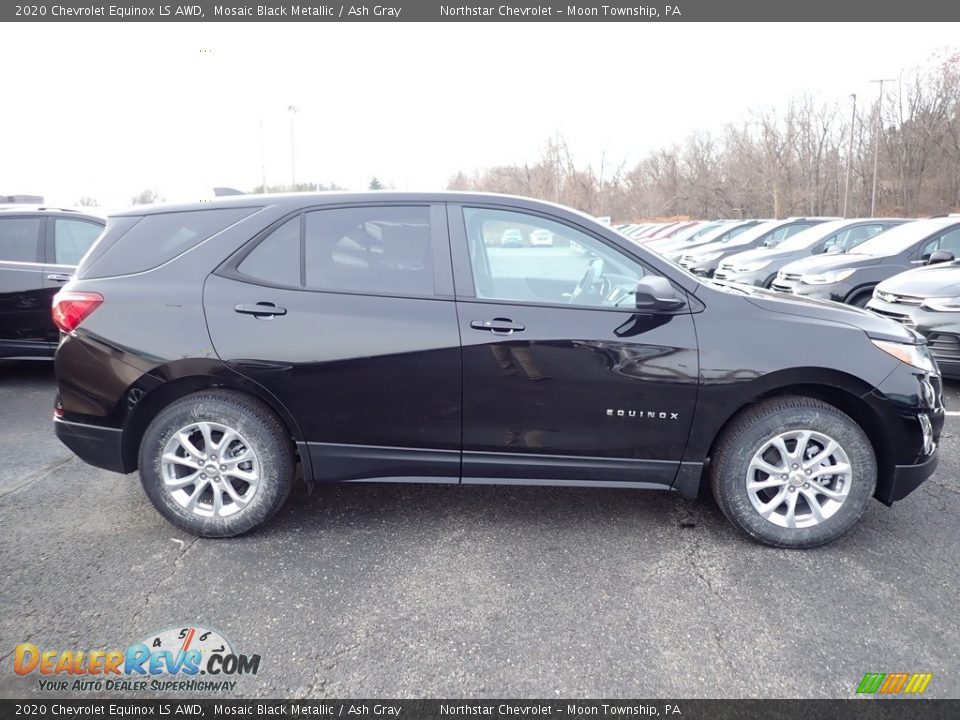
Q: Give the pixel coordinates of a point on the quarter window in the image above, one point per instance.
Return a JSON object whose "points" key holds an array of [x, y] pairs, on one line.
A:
{"points": [[376, 250], [72, 239], [18, 239]]}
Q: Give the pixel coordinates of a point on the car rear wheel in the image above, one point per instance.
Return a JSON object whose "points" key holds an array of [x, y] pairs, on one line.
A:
{"points": [[216, 463], [793, 472]]}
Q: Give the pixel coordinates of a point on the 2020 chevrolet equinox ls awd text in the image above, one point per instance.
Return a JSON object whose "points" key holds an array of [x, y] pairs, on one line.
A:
{"points": [[395, 337]]}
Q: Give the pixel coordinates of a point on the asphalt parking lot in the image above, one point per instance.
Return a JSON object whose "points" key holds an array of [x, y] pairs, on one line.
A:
{"points": [[409, 591]]}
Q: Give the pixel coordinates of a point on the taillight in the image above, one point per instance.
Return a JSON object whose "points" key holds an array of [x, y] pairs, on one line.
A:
{"points": [[71, 307]]}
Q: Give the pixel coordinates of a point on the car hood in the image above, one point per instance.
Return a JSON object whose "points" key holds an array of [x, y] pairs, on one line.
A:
{"points": [[759, 254], [874, 326], [931, 281], [716, 247], [824, 263]]}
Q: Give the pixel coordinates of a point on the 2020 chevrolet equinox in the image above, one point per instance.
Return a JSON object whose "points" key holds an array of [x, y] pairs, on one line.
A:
{"points": [[396, 337]]}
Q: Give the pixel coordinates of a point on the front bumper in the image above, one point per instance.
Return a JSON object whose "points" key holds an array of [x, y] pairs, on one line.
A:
{"points": [[700, 269], [906, 479], [94, 444], [941, 329], [906, 430]]}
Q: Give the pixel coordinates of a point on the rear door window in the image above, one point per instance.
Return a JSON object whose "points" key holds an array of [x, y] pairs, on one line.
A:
{"points": [[19, 239], [276, 260], [371, 250], [72, 238]]}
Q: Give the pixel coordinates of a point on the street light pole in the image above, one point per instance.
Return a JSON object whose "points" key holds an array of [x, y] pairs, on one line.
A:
{"points": [[293, 155], [876, 145], [853, 122]]}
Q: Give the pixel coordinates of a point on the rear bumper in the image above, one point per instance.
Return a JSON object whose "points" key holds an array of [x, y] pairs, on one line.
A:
{"points": [[907, 478], [94, 444]]}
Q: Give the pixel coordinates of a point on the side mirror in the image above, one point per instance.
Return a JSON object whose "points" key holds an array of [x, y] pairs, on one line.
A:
{"points": [[940, 256], [835, 249], [656, 293]]}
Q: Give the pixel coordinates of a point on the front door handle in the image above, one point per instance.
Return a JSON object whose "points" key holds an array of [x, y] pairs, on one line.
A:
{"points": [[500, 326], [58, 277], [264, 310]]}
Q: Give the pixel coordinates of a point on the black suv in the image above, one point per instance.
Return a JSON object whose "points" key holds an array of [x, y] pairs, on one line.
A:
{"points": [[39, 249], [384, 337]]}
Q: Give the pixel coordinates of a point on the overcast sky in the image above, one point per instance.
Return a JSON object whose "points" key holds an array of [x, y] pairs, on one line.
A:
{"points": [[107, 110]]}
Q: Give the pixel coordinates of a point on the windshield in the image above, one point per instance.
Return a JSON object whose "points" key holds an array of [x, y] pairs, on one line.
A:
{"points": [[900, 238], [751, 234], [689, 233], [813, 235]]}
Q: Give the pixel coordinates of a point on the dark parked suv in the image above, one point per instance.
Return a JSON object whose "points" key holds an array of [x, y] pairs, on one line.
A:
{"points": [[39, 249], [850, 277], [705, 259], [376, 337]]}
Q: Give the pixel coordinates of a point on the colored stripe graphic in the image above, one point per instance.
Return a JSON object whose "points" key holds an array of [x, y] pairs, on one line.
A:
{"points": [[871, 682], [893, 683], [918, 683]]}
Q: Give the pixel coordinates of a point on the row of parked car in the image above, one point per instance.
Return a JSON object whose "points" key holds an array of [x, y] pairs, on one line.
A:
{"points": [[905, 270]]}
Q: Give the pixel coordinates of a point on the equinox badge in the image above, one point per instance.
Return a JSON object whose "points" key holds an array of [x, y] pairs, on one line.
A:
{"points": [[649, 414]]}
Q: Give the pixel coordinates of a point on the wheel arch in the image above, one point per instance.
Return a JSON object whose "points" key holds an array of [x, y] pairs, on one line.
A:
{"points": [[149, 396], [838, 389], [858, 291]]}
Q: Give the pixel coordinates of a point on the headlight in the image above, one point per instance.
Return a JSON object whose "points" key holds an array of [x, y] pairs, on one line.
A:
{"points": [[917, 356], [827, 277], [942, 304], [753, 266]]}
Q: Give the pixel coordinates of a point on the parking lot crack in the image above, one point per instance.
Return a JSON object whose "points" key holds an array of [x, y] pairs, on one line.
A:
{"points": [[186, 546], [33, 477], [695, 559]]}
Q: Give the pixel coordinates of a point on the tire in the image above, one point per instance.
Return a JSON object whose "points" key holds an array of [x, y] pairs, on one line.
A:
{"points": [[789, 418], [861, 300], [259, 467]]}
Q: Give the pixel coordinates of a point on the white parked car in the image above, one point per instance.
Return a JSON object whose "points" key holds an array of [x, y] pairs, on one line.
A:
{"points": [[541, 238]]}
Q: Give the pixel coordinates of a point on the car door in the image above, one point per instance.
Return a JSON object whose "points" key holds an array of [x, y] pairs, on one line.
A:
{"points": [[564, 381], [67, 240], [24, 306], [346, 316]]}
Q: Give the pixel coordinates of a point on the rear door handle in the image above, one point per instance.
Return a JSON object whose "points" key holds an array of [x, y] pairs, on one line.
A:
{"points": [[58, 277], [500, 326], [261, 310]]}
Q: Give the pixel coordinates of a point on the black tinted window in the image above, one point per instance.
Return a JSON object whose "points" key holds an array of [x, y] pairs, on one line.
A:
{"points": [[18, 239], [160, 237], [277, 258], [72, 238], [379, 250]]}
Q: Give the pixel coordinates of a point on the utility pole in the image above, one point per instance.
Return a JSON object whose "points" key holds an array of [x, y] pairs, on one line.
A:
{"points": [[263, 160], [853, 123], [876, 145], [293, 154], [557, 164]]}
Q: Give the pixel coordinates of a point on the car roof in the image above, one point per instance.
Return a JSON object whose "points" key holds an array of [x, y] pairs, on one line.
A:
{"points": [[24, 208], [302, 200]]}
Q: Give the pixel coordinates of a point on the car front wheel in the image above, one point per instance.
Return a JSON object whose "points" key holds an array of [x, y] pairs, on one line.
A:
{"points": [[793, 472], [216, 463]]}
